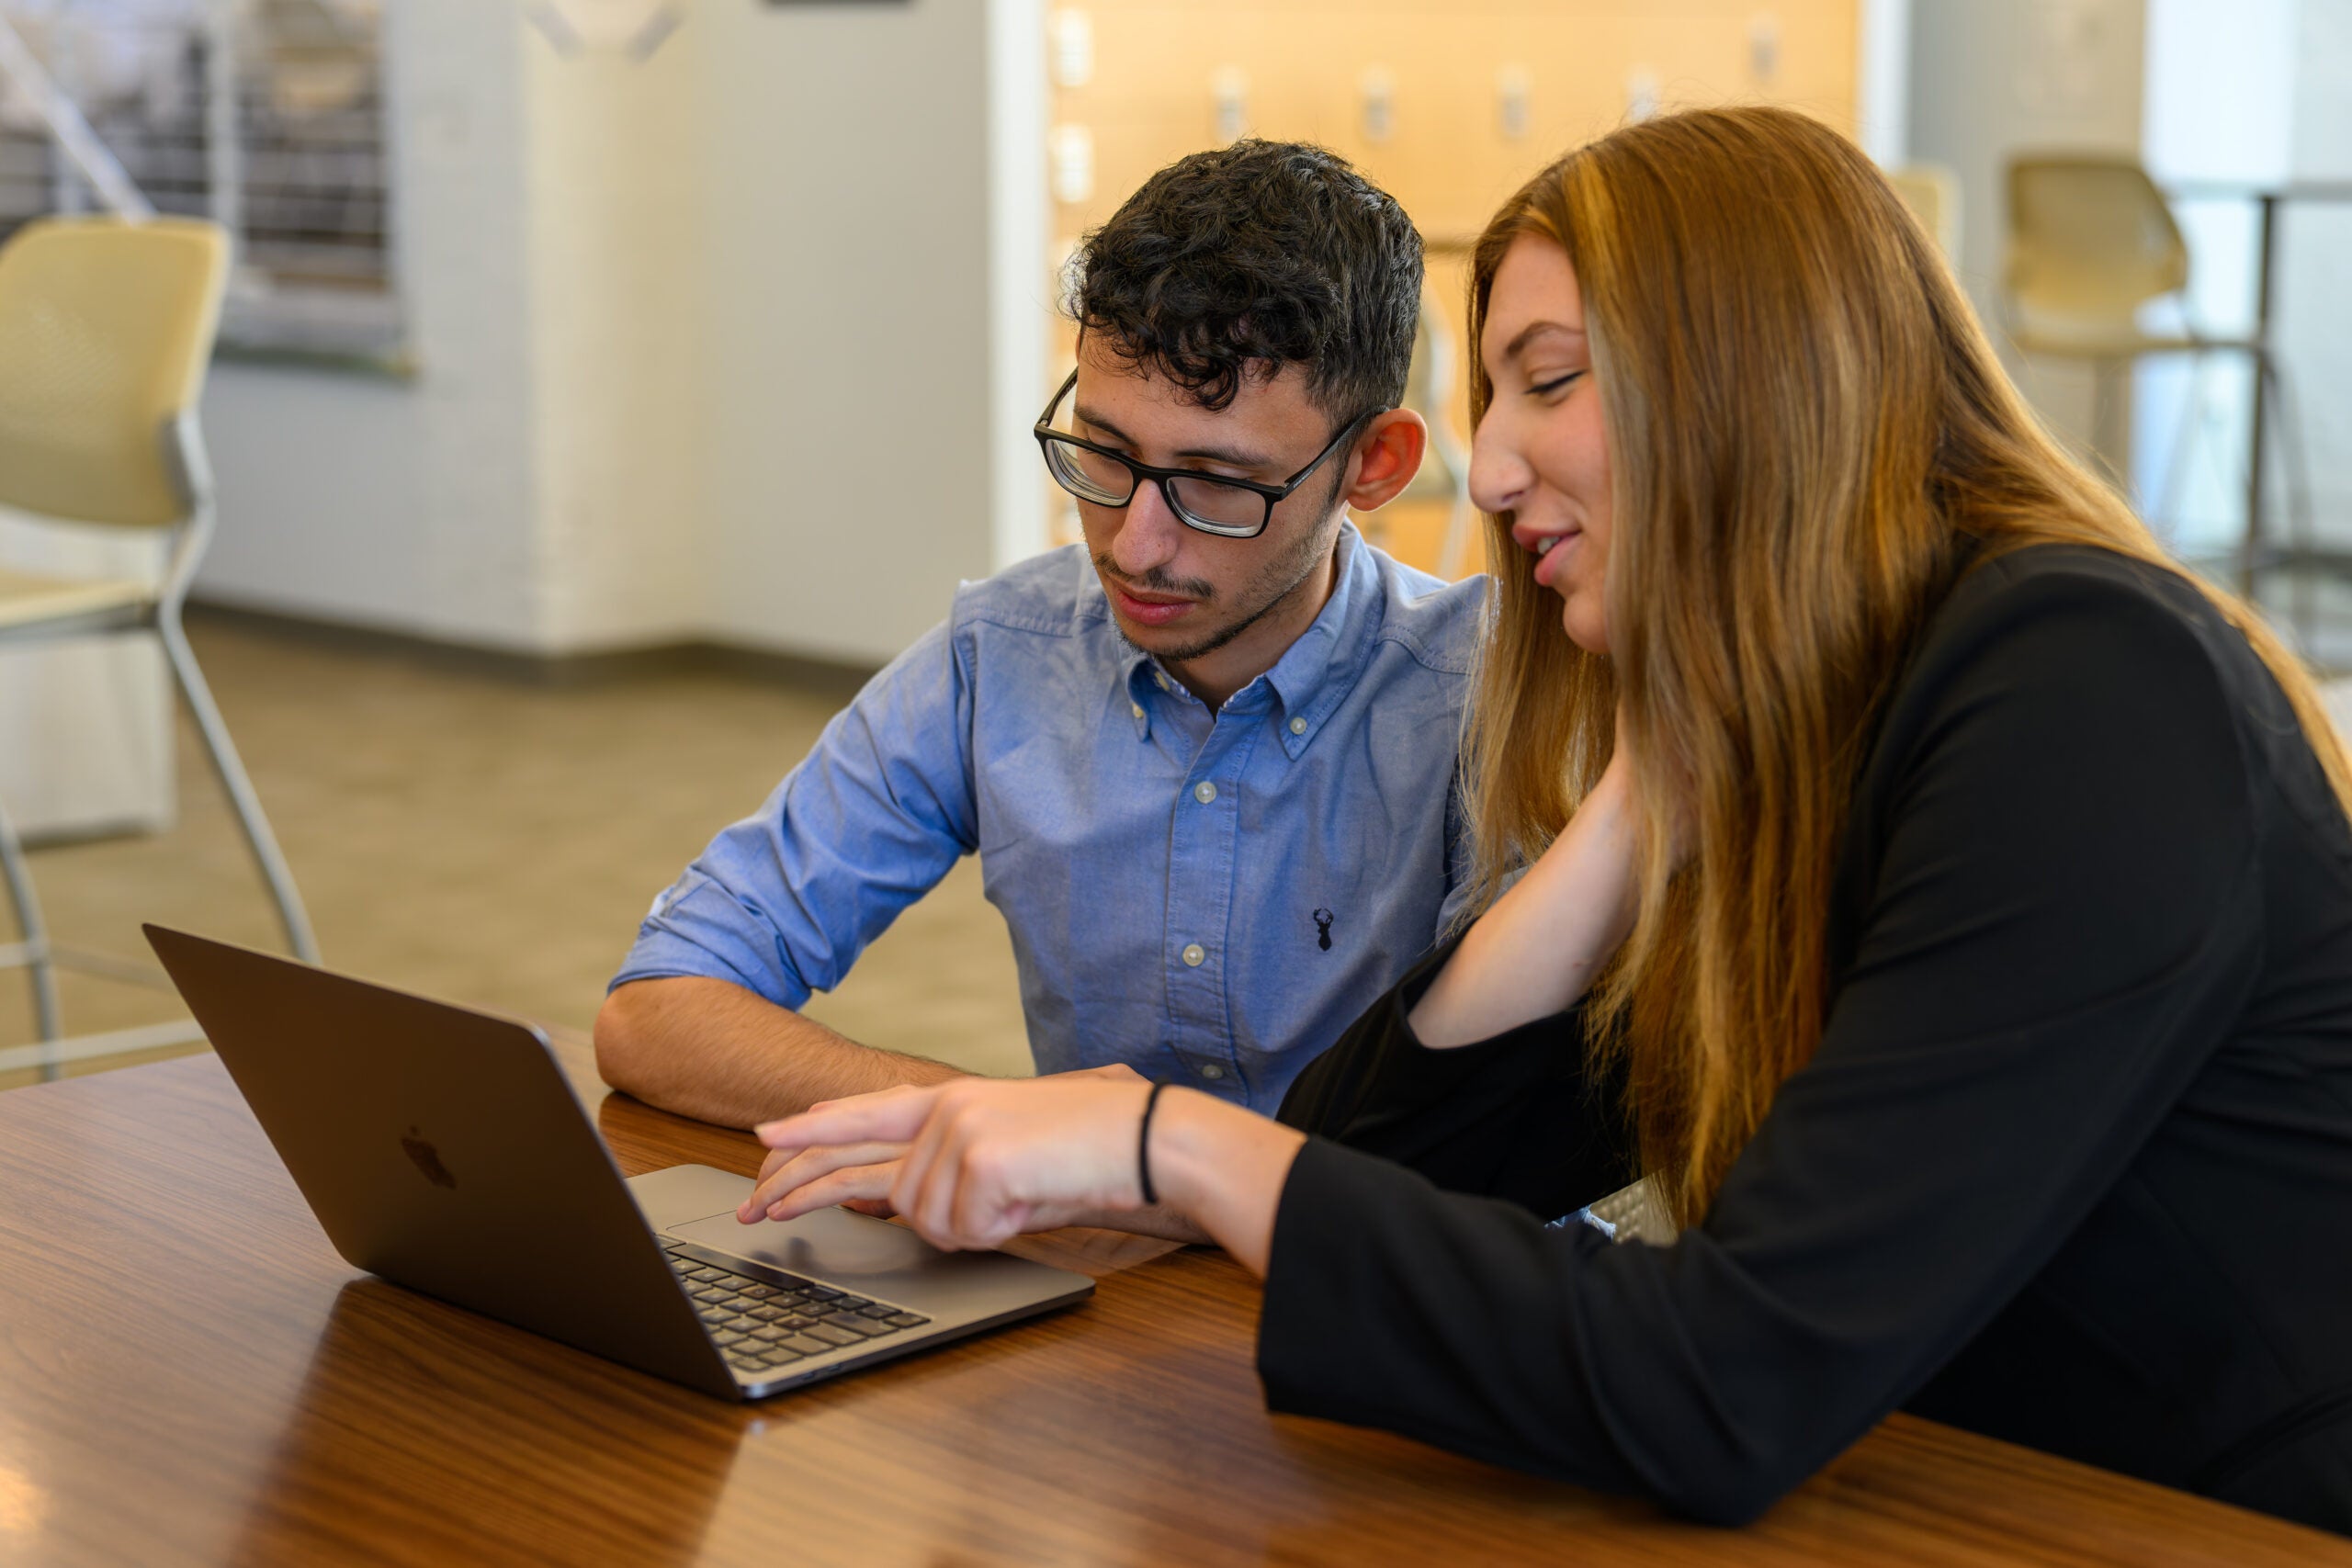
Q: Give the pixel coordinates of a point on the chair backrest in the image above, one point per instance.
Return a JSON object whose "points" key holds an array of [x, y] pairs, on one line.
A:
{"points": [[106, 329], [1932, 193], [2090, 241]]}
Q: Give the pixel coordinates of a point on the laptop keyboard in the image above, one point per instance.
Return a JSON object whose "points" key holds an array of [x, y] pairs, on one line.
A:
{"points": [[765, 1321]]}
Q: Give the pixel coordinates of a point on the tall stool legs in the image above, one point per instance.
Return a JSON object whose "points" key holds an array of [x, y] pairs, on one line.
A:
{"points": [[32, 950], [240, 789]]}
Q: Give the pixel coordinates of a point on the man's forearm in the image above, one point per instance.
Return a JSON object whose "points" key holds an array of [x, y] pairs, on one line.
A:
{"points": [[712, 1050]]}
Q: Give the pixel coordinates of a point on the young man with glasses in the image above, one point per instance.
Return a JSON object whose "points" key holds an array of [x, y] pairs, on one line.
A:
{"points": [[1206, 758]]}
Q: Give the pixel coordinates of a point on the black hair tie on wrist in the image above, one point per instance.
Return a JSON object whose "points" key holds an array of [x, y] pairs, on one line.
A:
{"points": [[1143, 1147]]}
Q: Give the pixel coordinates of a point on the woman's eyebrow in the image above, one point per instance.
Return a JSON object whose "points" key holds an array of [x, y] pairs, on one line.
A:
{"points": [[1535, 330]]}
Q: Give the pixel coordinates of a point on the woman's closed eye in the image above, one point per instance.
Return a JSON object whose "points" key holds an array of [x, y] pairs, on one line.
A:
{"points": [[1545, 388]]}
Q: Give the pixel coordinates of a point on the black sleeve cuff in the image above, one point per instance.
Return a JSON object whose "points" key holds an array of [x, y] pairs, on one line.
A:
{"points": [[1377, 1287]]}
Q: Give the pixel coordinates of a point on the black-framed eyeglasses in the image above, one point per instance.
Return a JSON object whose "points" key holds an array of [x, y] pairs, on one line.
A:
{"points": [[1232, 509]]}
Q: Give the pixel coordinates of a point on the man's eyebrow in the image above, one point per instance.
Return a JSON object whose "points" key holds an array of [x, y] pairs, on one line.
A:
{"points": [[1231, 456], [1535, 330]]}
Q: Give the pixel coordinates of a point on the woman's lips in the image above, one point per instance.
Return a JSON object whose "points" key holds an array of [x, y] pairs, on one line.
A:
{"points": [[1153, 612], [1547, 564]]}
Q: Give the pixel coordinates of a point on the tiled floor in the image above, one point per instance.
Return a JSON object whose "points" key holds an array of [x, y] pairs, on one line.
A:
{"points": [[495, 842]]}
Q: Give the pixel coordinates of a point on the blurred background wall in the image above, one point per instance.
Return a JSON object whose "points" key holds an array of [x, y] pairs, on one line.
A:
{"points": [[690, 341]]}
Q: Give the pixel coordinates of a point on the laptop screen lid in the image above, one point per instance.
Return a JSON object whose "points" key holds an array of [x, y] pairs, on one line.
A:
{"points": [[444, 1149]]}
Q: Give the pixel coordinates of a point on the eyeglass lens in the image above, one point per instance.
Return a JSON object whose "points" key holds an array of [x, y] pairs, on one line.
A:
{"points": [[1091, 476]]}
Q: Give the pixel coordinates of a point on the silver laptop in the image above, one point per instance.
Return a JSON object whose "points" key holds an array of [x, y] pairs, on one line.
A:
{"points": [[443, 1149]]}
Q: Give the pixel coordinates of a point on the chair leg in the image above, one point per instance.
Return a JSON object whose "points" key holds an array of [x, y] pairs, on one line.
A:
{"points": [[36, 938], [2160, 515], [2106, 442], [2302, 534], [233, 780]]}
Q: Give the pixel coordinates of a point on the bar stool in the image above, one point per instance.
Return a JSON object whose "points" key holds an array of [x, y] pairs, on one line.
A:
{"points": [[2091, 240], [106, 329]]}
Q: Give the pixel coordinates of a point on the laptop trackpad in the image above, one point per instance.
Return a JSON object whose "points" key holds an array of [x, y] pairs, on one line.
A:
{"points": [[684, 1193], [848, 1251], [864, 1256]]}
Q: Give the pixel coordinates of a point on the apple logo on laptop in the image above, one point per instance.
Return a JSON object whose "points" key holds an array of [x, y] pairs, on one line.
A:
{"points": [[428, 1160]]}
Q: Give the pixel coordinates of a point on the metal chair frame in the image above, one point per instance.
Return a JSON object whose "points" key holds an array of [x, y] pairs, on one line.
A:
{"points": [[2109, 360], [161, 615]]}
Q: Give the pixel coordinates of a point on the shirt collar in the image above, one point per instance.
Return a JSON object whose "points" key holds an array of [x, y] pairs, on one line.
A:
{"points": [[1315, 674], [1312, 677]]}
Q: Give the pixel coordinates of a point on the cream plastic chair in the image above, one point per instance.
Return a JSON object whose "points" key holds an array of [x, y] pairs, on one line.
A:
{"points": [[105, 328], [2091, 241]]}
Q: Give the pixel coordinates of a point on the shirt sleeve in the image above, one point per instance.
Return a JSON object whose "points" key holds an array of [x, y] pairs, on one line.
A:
{"points": [[2063, 923], [784, 901]]}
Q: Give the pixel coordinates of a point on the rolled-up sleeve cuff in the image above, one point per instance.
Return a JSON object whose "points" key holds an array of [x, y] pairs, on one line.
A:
{"points": [[682, 942]]}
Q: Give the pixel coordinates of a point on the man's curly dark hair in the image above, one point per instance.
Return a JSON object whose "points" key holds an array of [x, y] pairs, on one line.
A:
{"points": [[1253, 257]]}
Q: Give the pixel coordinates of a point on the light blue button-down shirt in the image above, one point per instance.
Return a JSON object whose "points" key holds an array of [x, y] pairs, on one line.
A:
{"points": [[1209, 897]]}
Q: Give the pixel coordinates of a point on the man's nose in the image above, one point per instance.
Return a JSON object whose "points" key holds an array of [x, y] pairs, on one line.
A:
{"points": [[1150, 534]]}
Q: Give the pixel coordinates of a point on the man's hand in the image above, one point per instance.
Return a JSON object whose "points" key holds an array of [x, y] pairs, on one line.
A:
{"points": [[859, 1175]]}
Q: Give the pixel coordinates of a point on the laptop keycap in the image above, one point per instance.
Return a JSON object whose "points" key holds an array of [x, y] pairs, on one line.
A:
{"points": [[773, 1318], [833, 1333]]}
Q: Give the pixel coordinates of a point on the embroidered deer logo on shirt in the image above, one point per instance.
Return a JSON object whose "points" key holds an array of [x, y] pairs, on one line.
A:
{"points": [[1323, 919]]}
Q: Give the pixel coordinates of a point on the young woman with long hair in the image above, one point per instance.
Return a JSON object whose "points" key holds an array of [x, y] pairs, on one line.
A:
{"points": [[1940, 898]]}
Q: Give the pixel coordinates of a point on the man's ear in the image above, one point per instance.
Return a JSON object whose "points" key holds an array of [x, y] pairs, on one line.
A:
{"points": [[1387, 455]]}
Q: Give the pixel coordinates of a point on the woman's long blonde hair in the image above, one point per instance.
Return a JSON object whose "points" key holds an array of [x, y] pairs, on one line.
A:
{"points": [[1808, 431]]}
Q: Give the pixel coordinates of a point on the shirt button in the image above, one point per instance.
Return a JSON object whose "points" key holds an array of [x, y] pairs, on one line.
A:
{"points": [[1136, 708], [1160, 676], [1210, 1071], [1195, 955], [1298, 727], [1205, 791]]}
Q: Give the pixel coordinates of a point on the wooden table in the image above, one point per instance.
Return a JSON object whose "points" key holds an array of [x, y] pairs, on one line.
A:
{"points": [[189, 1374]]}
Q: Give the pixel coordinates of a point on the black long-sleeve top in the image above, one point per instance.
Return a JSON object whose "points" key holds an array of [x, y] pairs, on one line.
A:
{"points": [[2070, 1167]]}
